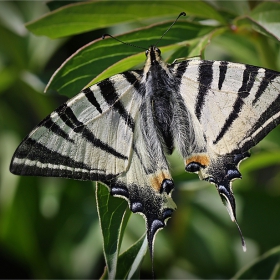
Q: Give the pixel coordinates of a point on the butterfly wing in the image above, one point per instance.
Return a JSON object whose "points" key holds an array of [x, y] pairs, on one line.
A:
{"points": [[233, 106], [88, 138], [101, 135], [236, 105]]}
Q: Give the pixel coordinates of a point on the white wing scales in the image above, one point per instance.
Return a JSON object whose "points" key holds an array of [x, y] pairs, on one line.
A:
{"points": [[232, 108], [77, 135]]}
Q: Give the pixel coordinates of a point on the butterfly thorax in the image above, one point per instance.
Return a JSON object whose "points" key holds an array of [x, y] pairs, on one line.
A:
{"points": [[159, 91]]}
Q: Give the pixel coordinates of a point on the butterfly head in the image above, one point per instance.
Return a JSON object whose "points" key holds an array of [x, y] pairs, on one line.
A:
{"points": [[153, 55]]}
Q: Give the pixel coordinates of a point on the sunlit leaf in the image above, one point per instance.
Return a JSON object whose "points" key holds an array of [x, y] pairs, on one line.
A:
{"points": [[98, 56], [130, 260], [111, 211], [261, 160], [82, 17], [266, 15], [236, 8], [264, 19]]}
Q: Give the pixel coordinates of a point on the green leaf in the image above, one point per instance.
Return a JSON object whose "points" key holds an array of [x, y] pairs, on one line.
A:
{"points": [[112, 217], [261, 160], [95, 58], [264, 19], [82, 17], [199, 45], [236, 8], [8, 77], [265, 267], [54, 5], [267, 18], [130, 260]]}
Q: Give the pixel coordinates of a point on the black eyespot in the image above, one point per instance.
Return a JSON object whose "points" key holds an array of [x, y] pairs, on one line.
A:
{"points": [[240, 157], [210, 180], [167, 186], [167, 213], [233, 174], [136, 207], [193, 167]]}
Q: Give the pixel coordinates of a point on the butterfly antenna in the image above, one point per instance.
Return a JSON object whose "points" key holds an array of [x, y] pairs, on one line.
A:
{"points": [[181, 14], [128, 44]]}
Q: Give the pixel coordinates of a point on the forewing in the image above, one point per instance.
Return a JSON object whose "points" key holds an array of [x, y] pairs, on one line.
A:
{"points": [[236, 104], [89, 137]]}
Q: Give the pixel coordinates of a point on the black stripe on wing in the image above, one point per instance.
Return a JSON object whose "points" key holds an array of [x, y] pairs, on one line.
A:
{"points": [[31, 150], [33, 158], [269, 76], [54, 128], [222, 73], [181, 69], [132, 79], [91, 98], [110, 95], [34, 151], [249, 77], [268, 120], [205, 78], [69, 118]]}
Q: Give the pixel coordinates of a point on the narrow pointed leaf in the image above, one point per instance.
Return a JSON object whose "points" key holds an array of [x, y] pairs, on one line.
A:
{"points": [[130, 260], [111, 212]]}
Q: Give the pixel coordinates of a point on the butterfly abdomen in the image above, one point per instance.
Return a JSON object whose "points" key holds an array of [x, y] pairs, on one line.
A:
{"points": [[163, 116]]}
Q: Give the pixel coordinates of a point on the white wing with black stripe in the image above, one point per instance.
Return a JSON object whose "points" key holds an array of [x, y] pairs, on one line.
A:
{"points": [[241, 101], [75, 140]]}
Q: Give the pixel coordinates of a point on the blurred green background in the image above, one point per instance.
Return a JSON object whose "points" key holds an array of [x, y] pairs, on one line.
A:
{"points": [[49, 226]]}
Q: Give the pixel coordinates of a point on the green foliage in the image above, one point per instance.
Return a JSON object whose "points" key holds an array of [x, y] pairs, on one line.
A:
{"points": [[81, 17], [265, 267], [103, 58], [113, 217], [49, 227]]}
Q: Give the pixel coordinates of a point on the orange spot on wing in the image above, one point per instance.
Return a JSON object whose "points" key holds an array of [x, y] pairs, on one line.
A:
{"points": [[157, 178], [203, 159]]}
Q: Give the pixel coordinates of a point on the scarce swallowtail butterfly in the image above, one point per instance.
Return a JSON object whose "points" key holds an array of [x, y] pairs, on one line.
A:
{"points": [[120, 130]]}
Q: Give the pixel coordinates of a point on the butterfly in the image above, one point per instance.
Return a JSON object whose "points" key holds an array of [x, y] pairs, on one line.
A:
{"points": [[120, 130]]}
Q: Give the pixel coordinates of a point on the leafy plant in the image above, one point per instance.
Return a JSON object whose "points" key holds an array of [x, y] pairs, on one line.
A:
{"points": [[48, 226]]}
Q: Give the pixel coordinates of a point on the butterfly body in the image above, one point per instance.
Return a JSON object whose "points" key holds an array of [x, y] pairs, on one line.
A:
{"points": [[119, 130]]}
